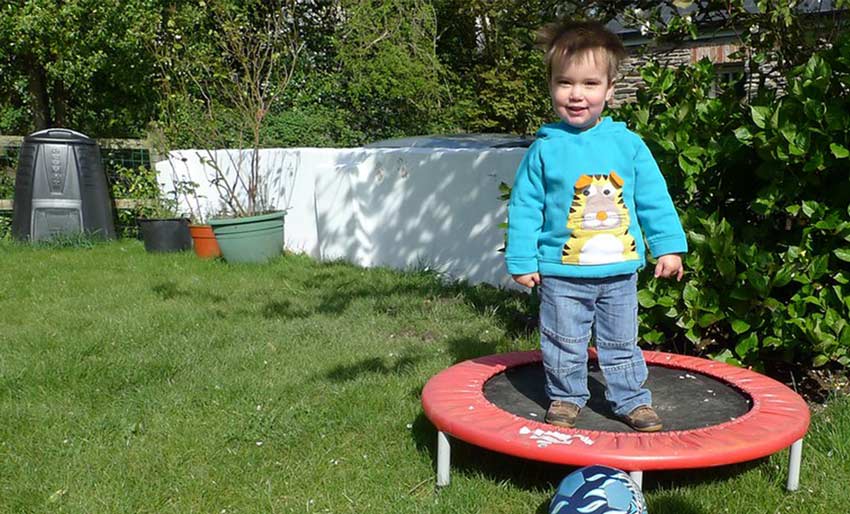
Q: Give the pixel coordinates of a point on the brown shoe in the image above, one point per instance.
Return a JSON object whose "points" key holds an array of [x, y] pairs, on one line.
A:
{"points": [[643, 419], [562, 414]]}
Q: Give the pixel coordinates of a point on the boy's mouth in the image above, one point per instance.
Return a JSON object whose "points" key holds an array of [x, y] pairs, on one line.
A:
{"points": [[576, 110]]}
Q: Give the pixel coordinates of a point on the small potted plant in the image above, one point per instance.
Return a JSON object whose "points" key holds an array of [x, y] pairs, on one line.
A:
{"points": [[229, 93], [204, 242], [162, 228], [256, 67], [246, 231]]}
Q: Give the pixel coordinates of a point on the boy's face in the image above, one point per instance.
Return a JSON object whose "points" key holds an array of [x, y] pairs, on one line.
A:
{"points": [[579, 88]]}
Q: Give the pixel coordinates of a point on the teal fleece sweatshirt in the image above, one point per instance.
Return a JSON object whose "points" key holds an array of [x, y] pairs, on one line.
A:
{"points": [[582, 202]]}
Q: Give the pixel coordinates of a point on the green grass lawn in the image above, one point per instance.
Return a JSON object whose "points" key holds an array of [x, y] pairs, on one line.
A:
{"points": [[132, 382]]}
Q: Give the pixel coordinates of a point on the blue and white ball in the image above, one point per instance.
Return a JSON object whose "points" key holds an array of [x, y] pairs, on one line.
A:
{"points": [[598, 490]]}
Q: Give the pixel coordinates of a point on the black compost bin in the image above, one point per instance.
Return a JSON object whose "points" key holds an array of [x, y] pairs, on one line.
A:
{"points": [[61, 188]]}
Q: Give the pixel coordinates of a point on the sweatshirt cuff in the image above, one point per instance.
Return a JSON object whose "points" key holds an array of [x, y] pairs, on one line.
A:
{"points": [[521, 266], [668, 245]]}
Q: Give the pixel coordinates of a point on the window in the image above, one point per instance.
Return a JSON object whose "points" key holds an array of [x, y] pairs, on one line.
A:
{"points": [[730, 76]]}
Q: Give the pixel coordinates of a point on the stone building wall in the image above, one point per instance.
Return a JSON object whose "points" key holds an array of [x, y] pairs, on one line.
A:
{"points": [[718, 51], [630, 79], [687, 53]]}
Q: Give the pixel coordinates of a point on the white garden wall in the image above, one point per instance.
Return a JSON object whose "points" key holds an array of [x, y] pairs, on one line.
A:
{"points": [[403, 208]]}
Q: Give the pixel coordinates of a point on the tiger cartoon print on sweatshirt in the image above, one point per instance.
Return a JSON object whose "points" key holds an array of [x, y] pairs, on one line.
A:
{"points": [[599, 222]]}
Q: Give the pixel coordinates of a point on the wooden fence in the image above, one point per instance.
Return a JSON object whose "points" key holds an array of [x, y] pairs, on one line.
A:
{"points": [[7, 204], [121, 203], [116, 144]]}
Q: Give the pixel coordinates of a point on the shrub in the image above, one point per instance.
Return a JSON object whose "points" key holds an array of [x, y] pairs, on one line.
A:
{"points": [[763, 193], [7, 190], [138, 183]]}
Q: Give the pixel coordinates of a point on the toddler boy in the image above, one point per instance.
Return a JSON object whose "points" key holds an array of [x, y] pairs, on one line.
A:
{"points": [[584, 197]]}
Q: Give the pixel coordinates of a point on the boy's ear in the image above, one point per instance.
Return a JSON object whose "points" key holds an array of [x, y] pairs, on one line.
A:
{"points": [[610, 93]]}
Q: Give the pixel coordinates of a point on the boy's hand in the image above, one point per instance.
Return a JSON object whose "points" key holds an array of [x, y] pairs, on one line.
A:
{"points": [[528, 280], [670, 265]]}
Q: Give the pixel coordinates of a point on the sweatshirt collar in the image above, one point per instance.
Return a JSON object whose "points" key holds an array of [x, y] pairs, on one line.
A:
{"points": [[603, 123]]}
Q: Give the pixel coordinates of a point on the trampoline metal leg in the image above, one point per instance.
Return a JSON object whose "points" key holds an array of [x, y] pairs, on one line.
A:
{"points": [[794, 458], [443, 459], [637, 476]]}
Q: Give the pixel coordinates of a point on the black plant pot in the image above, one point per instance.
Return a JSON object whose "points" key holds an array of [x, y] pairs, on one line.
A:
{"points": [[165, 235]]}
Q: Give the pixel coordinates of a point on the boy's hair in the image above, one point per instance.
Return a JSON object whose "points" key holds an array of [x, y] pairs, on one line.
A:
{"points": [[568, 40]]}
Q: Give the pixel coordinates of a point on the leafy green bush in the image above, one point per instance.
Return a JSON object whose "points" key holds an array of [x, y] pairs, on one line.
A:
{"points": [[762, 190], [763, 193], [8, 165], [133, 183]]}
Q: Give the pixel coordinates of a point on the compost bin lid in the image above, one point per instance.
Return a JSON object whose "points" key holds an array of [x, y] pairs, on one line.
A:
{"points": [[59, 135]]}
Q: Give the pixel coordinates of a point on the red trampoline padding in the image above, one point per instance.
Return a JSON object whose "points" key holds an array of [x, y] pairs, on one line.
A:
{"points": [[454, 401]]}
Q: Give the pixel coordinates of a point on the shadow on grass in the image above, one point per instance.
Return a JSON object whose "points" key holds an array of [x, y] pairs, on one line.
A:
{"points": [[465, 348], [691, 477], [460, 349], [338, 289], [534, 476], [284, 309], [672, 504], [374, 365], [497, 467], [332, 288], [171, 291]]}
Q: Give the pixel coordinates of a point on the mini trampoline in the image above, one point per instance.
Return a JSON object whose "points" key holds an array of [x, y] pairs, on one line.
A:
{"points": [[714, 414]]}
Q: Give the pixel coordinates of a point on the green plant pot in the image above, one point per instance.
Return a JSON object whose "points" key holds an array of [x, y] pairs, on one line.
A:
{"points": [[250, 239]]}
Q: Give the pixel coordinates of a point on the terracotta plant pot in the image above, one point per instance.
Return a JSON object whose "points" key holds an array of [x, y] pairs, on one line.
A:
{"points": [[204, 242]]}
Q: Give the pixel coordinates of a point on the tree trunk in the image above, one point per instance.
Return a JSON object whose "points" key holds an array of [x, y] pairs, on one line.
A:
{"points": [[37, 86], [60, 105]]}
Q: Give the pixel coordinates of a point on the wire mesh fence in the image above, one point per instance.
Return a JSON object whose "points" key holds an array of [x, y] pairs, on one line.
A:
{"points": [[129, 168], [116, 154]]}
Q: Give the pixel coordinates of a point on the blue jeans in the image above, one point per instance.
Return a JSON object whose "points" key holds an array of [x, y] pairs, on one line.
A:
{"points": [[574, 309]]}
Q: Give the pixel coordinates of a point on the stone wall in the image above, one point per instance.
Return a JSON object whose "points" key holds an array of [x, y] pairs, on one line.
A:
{"points": [[630, 80], [719, 52]]}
